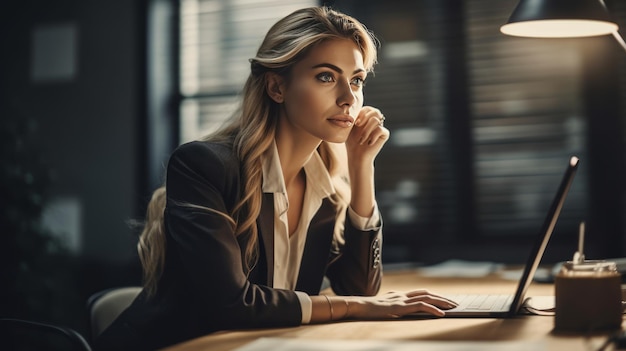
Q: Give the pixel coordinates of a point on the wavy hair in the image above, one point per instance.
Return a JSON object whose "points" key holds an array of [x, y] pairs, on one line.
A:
{"points": [[252, 127]]}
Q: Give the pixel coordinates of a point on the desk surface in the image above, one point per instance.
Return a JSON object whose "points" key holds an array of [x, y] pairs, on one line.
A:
{"points": [[527, 328]]}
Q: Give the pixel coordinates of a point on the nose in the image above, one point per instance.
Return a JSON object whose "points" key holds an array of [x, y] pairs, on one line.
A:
{"points": [[346, 97]]}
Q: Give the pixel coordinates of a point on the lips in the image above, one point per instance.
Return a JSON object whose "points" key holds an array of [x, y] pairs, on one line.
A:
{"points": [[342, 120]]}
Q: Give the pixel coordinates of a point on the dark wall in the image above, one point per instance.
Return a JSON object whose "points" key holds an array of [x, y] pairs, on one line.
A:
{"points": [[86, 122], [83, 125]]}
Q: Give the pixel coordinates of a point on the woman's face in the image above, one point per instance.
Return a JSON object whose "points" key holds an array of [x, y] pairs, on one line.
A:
{"points": [[324, 92]]}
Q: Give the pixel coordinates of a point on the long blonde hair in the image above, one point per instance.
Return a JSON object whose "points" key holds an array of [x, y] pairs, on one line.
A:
{"points": [[252, 128]]}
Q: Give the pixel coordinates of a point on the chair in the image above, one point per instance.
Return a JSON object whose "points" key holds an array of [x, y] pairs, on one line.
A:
{"points": [[106, 305], [21, 334]]}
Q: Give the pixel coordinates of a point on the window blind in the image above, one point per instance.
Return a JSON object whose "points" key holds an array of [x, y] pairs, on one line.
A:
{"points": [[514, 103], [527, 120], [217, 37], [513, 107]]}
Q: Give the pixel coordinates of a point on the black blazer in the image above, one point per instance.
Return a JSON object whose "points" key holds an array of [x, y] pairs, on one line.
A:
{"points": [[204, 287]]}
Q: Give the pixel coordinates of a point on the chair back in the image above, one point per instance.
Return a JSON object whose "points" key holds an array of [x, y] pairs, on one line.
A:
{"points": [[106, 305], [21, 335]]}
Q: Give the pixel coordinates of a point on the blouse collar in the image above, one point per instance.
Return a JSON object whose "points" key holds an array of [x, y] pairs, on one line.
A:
{"points": [[273, 181]]}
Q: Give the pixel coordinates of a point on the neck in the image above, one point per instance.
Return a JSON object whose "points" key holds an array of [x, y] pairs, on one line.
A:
{"points": [[294, 154]]}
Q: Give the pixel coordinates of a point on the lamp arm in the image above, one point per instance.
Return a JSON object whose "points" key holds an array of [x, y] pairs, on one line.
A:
{"points": [[616, 35], [619, 39]]}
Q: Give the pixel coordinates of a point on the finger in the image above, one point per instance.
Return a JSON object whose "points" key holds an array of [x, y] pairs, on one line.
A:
{"points": [[373, 121], [380, 119], [368, 123], [374, 134], [379, 136], [366, 114], [441, 301], [438, 301], [426, 307], [427, 294], [418, 292]]}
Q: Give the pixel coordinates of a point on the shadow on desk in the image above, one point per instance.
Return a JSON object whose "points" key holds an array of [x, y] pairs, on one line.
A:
{"points": [[523, 328]]}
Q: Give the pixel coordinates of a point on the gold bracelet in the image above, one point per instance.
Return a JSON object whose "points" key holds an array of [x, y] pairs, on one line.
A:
{"points": [[331, 307]]}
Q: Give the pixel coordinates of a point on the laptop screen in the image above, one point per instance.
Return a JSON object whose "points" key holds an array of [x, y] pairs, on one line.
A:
{"points": [[544, 235]]}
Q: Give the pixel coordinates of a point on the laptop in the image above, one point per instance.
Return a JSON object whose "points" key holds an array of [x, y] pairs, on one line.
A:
{"points": [[510, 305]]}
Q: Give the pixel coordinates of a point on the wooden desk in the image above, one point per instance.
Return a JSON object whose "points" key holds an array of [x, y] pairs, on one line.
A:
{"points": [[538, 328]]}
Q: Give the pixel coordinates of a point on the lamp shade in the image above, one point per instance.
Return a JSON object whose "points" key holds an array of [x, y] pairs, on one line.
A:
{"points": [[559, 19]]}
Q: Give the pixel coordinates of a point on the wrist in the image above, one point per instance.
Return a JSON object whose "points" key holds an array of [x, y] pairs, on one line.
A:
{"points": [[347, 314], [361, 169], [355, 308]]}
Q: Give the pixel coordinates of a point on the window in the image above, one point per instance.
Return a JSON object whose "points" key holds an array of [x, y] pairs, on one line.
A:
{"points": [[527, 120], [482, 124], [217, 37], [482, 127]]}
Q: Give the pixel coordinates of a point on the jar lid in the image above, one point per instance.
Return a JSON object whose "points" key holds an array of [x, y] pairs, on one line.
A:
{"points": [[589, 267]]}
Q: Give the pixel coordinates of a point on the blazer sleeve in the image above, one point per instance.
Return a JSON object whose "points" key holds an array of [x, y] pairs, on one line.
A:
{"points": [[202, 186], [358, 268]]}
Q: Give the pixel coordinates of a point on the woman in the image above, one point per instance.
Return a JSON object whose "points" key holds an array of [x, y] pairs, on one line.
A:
{"points": [[253, 218]]}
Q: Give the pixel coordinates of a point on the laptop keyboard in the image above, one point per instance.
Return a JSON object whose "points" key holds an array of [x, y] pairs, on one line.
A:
{"points": [[482, 302]]}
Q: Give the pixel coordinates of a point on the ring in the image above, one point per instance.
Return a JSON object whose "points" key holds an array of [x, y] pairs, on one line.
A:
{"points": [[381, 120]]}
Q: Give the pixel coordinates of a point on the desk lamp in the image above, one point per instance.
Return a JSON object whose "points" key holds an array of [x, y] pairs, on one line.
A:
{"points": [[561, 19]]}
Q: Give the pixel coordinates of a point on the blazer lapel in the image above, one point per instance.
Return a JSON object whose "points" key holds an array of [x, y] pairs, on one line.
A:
{"points": [[317, 249], [266, 235]]}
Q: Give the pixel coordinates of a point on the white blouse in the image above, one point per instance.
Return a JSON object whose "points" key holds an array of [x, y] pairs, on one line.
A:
{"points": [[288, 250]]}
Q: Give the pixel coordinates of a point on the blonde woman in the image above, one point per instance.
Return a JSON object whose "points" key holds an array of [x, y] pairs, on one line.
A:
{"points": [[252, 218]]}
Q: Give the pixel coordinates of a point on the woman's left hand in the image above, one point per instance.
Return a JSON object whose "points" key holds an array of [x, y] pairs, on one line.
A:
{"points": [[368, 135]]}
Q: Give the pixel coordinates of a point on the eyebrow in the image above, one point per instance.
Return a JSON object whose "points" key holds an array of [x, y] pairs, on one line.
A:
{"points": [[337, 69]]}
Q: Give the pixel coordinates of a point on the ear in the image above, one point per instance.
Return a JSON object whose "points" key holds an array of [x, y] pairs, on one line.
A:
{"points": [[275, 86]]}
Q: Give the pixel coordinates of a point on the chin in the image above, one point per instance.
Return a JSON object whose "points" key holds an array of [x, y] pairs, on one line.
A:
{"points": [[336, 140]]}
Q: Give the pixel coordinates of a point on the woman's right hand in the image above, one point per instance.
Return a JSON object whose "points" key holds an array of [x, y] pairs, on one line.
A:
{"points": [[397, 304]]}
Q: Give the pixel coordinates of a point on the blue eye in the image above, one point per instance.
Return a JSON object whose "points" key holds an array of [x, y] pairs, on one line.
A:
{"points": [[358, 81], [325, 77]]}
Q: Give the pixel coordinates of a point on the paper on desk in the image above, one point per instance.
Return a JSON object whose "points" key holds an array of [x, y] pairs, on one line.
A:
{"points": [[299, 344], [540, 305], [460, 268]]}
